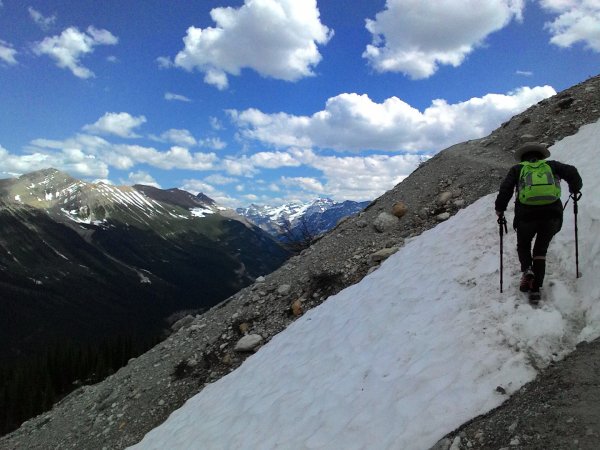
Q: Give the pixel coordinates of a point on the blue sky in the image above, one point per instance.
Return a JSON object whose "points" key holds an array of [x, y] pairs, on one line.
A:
{"points": [[266, 101]]}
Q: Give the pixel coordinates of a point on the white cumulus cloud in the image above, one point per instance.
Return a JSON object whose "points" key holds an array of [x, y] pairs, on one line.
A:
{"points": [[304, 183], [45, 23], [355, 122], [125, 157], [577, 21], [196, 186], [415, 37], [176, 136], [174, 158], [276, 38], [358, 178], [219, 179], [71, 45], [7, 53], [215, 143], [141, 177], [120, 124], [274, 160], [67, 158]]}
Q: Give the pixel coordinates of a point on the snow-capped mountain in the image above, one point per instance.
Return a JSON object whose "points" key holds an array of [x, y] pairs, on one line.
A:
{"points": [[65, 197], [83, 260], [318, 216]]}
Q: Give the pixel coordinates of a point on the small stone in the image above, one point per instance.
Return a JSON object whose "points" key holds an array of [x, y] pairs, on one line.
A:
{"points": [[284, 289], [382, 254], [456, 443], [443, 444], [444, 197], [248, 343], [528, 138], [442, 217], [501, 390], [244, 327], [192, 362], [297, 308], [399, 209]]}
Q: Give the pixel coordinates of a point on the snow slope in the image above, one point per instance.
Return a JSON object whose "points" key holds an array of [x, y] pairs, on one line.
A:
{"points": [[415, 349]]}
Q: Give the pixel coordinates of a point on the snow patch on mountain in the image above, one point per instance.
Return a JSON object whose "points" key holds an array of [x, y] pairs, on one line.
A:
{"points": [[201, 212]]}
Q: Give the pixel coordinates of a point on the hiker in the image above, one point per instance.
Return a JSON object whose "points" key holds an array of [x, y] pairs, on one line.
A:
{"points": [[538, 208]]}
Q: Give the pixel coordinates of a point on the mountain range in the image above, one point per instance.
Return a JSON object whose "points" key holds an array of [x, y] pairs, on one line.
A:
{"points": [[295, 220], [83, 261]]}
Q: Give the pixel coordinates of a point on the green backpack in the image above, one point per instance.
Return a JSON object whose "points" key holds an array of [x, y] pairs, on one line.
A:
{"points": [[537, 184]]}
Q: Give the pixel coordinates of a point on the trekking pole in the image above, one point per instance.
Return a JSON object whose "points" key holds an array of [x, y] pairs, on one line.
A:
{"points": [[502, 229], [576, 196]]}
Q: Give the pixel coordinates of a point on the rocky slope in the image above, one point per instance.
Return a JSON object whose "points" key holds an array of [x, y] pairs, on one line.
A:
{"points": [[119, 411]]}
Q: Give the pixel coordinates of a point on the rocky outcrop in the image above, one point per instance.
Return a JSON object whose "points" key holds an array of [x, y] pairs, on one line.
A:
{"points": [[119, 411]]}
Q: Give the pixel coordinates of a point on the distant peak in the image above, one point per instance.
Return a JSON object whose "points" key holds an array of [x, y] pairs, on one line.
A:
{"points": [[205, 199], [42, 174], [175, 196]]}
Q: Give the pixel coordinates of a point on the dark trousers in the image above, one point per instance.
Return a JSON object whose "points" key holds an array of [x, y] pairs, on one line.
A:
{"points": [[543, 230]]}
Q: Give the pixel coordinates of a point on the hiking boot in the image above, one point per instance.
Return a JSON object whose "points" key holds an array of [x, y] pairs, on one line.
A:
{"points": [[534, 296], [526, 281]]}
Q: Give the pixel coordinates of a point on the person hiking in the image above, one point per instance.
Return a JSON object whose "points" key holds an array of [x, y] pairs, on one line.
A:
{"points": [[538, 208]]}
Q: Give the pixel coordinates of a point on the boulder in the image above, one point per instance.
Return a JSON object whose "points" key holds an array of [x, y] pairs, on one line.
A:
{"points": [[385, 222]]}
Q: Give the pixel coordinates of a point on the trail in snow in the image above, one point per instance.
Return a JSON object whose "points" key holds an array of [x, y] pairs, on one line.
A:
{"points": [[415, 349]]}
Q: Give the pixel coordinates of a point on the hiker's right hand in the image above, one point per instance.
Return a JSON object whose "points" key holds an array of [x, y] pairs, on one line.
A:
{"points": [[500, 213]]}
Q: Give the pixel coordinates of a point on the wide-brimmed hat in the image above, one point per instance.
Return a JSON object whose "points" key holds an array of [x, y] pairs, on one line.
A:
{"points": [[532, 147]]}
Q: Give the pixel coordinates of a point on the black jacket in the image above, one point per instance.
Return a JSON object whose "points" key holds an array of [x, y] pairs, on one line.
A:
{"points": [[531, 212]]}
